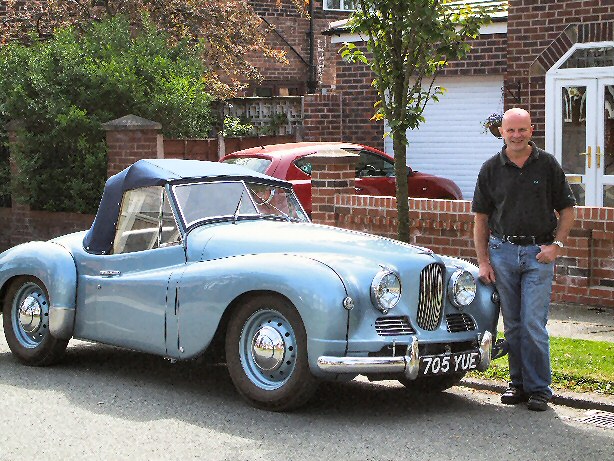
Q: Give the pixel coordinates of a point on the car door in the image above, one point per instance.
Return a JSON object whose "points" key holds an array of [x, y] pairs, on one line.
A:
{"points": [[124, 295], [374, 175]]}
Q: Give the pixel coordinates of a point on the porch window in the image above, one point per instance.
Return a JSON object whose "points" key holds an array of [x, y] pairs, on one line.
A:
{"points": [[582, 58]]}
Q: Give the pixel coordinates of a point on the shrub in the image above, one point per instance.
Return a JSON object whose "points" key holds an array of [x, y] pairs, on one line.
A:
{"points": [[235, 127], [64, 89]]}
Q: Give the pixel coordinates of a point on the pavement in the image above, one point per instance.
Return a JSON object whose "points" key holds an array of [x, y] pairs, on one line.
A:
{"points": [[570, 321]]}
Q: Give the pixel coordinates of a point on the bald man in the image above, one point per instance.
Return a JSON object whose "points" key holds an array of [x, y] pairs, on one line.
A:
{"points": [[518, 236]]}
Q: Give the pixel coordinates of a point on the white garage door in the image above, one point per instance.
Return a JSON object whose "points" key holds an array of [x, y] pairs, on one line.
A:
{"points": [[452, 143]]}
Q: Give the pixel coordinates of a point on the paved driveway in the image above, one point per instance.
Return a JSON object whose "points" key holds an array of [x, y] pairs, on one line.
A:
{"points": [[105, 403]]}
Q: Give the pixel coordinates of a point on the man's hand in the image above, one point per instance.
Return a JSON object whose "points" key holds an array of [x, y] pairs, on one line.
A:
{"points": [[548, 253], [487, 274]]}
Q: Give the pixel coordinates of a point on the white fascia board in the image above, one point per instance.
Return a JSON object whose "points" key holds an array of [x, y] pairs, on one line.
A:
{"points": [[347, 37], [492, 28]]}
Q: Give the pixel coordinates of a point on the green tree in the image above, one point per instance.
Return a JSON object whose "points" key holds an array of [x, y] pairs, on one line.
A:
{"points": [[408, 42], [64, 88], [228, 30]]}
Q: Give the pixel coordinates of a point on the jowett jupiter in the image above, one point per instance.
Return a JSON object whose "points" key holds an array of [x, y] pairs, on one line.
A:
{"points": [[184, 256]]}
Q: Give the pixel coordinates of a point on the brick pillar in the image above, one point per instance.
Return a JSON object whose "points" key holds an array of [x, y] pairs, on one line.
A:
{"points": [[131, 138], [332, 173], [322, 117], [20, 229]]}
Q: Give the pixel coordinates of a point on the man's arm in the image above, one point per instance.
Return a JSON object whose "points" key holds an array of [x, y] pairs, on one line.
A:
{"points": [[566, 220], [481, 233], [549, 253]]}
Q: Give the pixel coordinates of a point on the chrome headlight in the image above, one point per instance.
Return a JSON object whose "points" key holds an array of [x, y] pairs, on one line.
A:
{"points": [[385, 290], [462, 288]]}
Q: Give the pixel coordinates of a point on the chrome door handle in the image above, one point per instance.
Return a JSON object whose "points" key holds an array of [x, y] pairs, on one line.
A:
{"points": [[110, 273]]}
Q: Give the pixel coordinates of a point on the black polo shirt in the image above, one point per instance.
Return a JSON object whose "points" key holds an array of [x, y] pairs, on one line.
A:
{"points": [[521, 201]]}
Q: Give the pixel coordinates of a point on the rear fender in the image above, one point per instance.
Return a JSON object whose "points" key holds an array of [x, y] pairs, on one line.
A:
{"points": [[53, 265]]}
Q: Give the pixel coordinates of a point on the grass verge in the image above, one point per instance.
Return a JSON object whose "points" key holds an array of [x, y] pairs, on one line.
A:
{"points": [[577, 365]]}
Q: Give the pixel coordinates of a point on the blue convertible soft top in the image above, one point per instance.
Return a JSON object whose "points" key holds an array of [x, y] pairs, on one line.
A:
{"points": [[155, 172]]}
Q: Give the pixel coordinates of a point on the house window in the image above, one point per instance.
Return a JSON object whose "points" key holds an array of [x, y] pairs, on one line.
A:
{"points": [[583, 58], [341, 5]]}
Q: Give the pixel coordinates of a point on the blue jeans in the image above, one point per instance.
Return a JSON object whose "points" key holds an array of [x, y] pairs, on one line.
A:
{"points": [[525, 288]]}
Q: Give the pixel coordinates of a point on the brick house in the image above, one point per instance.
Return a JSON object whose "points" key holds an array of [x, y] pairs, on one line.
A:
{"points": [[554, 58], [311, 58]]}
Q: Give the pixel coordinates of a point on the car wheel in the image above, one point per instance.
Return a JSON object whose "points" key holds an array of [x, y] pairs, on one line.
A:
{"points": [[26, 323], [432, 384], [266, 354]]}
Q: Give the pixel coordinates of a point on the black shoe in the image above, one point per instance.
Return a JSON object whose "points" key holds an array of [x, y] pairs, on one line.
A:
{"points": [[514, 395], [538, 402]]}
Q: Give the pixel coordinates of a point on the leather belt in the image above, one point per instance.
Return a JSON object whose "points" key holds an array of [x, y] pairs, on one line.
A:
{"points": [[526, 239]]}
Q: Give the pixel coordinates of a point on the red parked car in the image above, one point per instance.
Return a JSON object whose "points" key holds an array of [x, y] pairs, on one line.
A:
{"points": [[374, 170]]}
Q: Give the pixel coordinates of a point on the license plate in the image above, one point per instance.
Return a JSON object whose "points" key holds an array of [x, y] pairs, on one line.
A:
{"points": [[449, 363]]}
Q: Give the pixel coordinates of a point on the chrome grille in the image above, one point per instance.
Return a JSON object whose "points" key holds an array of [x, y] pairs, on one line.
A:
{"points": [[460, 322], [431, 297], [394, 326]]}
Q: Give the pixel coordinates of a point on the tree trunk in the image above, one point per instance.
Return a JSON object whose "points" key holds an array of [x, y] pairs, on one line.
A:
{"points": [[399, 141]]}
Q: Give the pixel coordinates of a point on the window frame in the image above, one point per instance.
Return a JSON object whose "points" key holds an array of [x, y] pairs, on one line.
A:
{"points": [[125, 225], [341, 8]]}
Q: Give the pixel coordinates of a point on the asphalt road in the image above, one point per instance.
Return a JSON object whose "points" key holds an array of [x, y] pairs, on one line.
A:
{"points": [[110, 404]]}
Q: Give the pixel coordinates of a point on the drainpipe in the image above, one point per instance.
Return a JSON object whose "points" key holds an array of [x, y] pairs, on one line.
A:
{"points": [[311, 79]]}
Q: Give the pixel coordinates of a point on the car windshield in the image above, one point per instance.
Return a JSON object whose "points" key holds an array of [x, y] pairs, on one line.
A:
{"points": [[236, 200]]}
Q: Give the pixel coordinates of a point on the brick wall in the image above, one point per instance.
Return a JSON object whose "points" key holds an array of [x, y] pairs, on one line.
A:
{"points": [[488, 56], [290, 34], [19, 224], [323, 117], [584, 273], [359, 97], [536, 39]]}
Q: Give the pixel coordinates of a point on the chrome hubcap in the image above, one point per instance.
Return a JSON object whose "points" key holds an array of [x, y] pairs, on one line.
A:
{"points": [[30, 315], [268, 348]]}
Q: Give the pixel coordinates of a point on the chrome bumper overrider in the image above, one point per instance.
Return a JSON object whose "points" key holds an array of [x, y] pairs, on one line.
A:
{"points": [[408, 364]]}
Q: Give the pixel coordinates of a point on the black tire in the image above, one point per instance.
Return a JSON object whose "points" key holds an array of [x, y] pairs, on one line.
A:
{"points": [[432, 384], [26, 323], [269, 378]]}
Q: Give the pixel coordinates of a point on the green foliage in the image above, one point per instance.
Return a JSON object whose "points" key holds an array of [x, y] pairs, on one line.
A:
{"points": [[64, 89], [276, 121], [408, 43], [578, 365], [5, 173], [235, 127]]}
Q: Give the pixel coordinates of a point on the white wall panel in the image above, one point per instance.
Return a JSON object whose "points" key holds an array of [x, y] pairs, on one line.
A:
{"points": [[451, 143]]}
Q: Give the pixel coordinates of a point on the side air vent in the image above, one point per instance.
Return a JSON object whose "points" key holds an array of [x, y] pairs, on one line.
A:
{"points": [[460, 322], [394, 326]]}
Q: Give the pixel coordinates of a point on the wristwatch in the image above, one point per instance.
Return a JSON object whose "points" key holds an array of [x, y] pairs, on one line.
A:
{"points": [[558, 243]]}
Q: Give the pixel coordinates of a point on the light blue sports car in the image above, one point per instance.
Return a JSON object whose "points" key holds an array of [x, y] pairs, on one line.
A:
{"points": [[187, 257]]}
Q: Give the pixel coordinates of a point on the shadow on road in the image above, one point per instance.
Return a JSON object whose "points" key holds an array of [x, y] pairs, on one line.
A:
{"points": [[139, 387]]}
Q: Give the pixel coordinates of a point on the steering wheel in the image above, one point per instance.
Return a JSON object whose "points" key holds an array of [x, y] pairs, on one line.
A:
{"points": [[367, 168]]}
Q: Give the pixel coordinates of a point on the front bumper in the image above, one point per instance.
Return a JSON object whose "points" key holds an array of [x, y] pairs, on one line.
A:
{"points": [[408, 364]]}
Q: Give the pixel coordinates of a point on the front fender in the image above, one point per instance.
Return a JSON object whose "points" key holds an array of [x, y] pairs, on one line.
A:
{"points": [[53, 265], [208, 288]]}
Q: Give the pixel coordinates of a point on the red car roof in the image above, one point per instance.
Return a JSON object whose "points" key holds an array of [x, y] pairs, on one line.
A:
{"points": [[296, 148]]}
